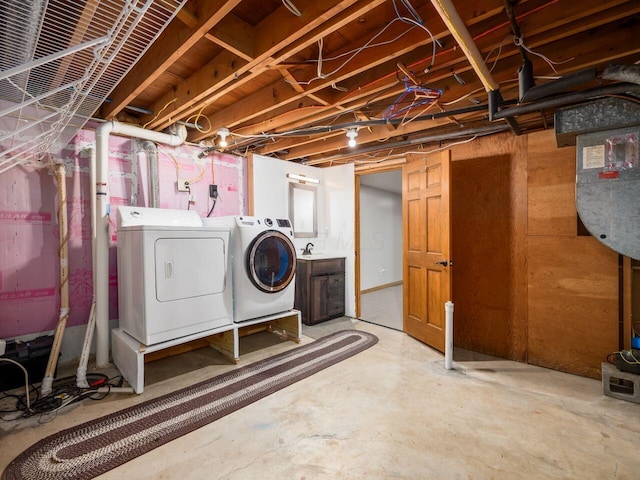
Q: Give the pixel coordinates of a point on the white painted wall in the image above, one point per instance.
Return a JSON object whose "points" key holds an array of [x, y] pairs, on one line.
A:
{"points": [[336, 209], [340, 208], [271, 192], [380, 237]]}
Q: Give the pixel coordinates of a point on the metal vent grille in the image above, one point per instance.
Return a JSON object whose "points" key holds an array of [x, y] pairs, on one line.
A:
{"points": [[59, 60]]}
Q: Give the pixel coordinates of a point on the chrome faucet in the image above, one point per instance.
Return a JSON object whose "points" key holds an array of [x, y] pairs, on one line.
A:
{"points": [[307, 249]]}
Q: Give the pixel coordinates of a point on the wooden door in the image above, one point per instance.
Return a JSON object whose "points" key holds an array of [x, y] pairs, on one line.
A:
{"points": [[426, 238]]}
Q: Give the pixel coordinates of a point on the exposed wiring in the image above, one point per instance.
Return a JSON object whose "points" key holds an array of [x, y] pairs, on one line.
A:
{"points": [[422, 112], [64, 392], [177, 164], [519, 42], [161, 110], [627, 356], [412, 11], [351, 55], [411, 21], [291, 7], [196, 117], [215, 200]]}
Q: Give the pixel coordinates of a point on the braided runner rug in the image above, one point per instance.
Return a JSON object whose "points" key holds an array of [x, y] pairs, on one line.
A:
{"points": [[87, 450]]}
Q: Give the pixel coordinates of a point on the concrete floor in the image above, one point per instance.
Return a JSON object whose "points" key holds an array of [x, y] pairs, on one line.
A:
{"points": [[383, 307], [391, 412]]}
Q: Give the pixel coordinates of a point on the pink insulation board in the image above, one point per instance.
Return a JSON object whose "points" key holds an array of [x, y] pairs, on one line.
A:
{"points": [[29, 262]]}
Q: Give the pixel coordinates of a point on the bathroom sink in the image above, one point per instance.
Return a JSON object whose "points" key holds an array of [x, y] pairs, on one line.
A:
{"points": [[318, 256]]}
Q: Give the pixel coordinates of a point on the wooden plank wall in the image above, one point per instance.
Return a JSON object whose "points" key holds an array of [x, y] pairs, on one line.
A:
{"points": [[488, 224], [573, 316], [525, 286]]}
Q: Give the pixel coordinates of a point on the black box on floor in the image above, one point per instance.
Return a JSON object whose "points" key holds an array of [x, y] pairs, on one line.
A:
{"points": [[628, 361], [32, 355]]}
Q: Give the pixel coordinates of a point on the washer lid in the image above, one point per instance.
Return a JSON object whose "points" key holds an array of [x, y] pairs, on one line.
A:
{"points": [[137, 216]]}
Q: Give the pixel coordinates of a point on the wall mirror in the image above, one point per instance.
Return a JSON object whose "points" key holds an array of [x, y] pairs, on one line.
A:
{"points": [[303, 210]]}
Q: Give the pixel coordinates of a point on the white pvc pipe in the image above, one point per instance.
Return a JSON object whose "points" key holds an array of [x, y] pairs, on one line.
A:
{"points": [[81, 373], [101, 288], [458, 29], [448, 335]]}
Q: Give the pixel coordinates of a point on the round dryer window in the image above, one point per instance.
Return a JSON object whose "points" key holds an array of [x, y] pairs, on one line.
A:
{"points": [[271, 261]]}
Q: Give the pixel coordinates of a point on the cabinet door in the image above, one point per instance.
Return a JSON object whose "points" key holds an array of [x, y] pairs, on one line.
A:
{"points": [[319, 294], [335, 295]]}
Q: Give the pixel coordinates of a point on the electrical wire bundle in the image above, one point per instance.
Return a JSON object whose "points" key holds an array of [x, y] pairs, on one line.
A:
{"points": [[64, 392]]}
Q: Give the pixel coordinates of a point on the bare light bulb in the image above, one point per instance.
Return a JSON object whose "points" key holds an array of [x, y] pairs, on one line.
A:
{"points": [[352, 133], [223, 133]]}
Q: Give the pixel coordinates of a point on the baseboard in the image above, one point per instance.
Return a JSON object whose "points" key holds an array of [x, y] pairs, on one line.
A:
{"points": [[380, 287]]}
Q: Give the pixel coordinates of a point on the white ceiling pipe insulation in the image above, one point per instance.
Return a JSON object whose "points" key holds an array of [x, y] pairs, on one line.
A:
{"points": [[458, 29], [101, 289]]}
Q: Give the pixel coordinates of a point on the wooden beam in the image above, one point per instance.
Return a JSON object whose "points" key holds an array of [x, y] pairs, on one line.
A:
{"points": [[187, 17], [357, 97], [235, 35], [174, 41], [273, 35], [263, 101]]}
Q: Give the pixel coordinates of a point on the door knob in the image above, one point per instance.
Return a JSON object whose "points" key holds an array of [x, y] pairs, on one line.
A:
{"points": [[444, 263]]}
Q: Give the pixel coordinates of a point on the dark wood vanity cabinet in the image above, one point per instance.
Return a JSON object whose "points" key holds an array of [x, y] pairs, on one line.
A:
{"points": [[320, 289]]}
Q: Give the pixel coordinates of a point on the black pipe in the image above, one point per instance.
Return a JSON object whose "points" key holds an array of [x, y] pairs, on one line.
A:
{"points": [[469, 132], [366, 123], [568, 99], [560, 85], [526, 81], [371, 123]]}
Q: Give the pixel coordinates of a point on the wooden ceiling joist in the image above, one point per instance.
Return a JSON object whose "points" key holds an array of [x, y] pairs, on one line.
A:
{"points": [[172, 44]]}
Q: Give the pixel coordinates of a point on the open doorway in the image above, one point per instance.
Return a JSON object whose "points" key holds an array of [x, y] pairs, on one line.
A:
{"points": [[380, 255]]}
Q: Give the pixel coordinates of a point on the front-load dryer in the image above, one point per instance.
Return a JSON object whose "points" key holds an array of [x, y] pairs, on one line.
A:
{"points": [[263, 260], [173, 277]]}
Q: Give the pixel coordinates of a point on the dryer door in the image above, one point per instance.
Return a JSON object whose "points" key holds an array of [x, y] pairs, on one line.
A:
{"points": [[271, 261]]}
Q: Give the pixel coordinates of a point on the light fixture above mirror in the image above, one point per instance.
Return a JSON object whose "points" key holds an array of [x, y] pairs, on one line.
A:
{"points": [[302, 178]]}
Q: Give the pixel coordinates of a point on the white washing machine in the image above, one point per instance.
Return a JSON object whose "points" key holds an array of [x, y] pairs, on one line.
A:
{"points": [[263, 260], [173, 277]]}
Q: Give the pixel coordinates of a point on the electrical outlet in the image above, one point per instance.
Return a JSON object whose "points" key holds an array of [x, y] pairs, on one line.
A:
{"points": [[183, 185]]}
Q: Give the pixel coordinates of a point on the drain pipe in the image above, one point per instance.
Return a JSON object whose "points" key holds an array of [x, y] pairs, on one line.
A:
{"points": [[81, 372], [448, 335], [151, 151], [101, 287], [61, 178]]}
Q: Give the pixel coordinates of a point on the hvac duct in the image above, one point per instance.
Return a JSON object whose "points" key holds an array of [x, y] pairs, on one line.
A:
{"points": [[608, 188], [606, 132]]}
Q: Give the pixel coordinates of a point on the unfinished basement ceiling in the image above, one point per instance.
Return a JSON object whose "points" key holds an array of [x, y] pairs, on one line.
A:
{"points": [[289, 78]]}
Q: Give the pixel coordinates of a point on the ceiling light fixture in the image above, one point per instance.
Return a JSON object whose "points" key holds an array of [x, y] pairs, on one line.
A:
{"points": [[352, 133], [223, 133]]}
